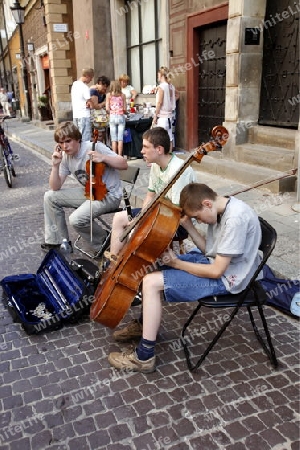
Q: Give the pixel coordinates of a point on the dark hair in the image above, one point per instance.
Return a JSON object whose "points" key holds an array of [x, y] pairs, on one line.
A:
{"points": [[67, 130], [158, 136], [193, 194], [103, 80]]}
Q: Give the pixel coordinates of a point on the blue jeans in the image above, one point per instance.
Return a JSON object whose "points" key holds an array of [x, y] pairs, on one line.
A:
{"points": [[117, 127], [84, 126], [181, 286]]}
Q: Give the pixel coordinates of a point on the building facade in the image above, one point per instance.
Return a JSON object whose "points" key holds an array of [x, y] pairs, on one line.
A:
{"points": [[234, 63]]}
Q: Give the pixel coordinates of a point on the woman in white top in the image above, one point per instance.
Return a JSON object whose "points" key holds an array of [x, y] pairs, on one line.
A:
{"points": [[127, 89], [165, 101]]}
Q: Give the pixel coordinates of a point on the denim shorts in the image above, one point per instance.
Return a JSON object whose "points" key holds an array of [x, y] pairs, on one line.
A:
{"points": [[181, 286], [117, 127]]}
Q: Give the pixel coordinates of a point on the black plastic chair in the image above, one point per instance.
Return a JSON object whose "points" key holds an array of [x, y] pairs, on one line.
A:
{"points": [[253, 296], [128, 178]]}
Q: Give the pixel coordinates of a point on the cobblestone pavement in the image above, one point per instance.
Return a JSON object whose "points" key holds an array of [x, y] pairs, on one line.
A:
{"points": [[59, 392]]}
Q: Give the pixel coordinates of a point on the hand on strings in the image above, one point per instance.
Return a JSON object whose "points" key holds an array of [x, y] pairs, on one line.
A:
{"points": [[96, 157]]}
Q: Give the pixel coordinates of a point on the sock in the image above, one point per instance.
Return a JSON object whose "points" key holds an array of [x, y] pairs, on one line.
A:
{"points": [[145, 349]]}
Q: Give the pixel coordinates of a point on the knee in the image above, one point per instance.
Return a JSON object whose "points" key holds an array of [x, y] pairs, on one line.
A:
{"points": [[120, 220], [49, 197], [74, 220], [147, 282]]}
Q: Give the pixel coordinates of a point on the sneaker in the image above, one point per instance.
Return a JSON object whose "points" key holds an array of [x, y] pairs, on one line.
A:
{"points": [[134, 330], [47, 247], [129, 361], [137, 299]]}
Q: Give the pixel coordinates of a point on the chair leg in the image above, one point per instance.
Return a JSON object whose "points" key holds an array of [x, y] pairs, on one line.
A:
{"points": [[192, 367], [98, 254], [270, 352]]}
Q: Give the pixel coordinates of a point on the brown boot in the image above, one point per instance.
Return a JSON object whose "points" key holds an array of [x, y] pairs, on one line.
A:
{"points": [[134, 330]]}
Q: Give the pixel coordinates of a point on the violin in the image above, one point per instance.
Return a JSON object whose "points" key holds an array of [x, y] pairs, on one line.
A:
{"points": [[95, 189]]}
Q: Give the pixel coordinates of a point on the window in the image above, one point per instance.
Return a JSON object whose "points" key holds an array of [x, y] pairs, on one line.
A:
{"points": [[143, 41], [140, 42]]}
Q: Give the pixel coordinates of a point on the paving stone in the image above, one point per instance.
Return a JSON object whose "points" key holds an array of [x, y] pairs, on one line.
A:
{"points": [[255, 441], [273, 437], [41, 440], [235, 400], [236, 431], [79, 443], [119, 432], [204, 442], [289, 430]]}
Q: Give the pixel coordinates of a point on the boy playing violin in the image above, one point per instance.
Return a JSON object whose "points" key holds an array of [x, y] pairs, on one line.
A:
{"points": [[69, 158], [221, 263]]}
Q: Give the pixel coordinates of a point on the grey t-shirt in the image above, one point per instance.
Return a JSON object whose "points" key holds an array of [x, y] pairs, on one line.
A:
{"points": [[238, 234], [75, 165]]}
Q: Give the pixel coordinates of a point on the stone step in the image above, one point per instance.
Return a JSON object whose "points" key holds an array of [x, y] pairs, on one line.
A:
{"points": [[276, 158], [243, 173], [272, 136]]}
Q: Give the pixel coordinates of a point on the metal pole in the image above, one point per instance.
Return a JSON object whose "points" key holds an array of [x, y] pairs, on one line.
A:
{"points": [[25, 75]]}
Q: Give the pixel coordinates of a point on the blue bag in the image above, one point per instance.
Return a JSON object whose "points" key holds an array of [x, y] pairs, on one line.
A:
{"points": [[281, 293], [127, 136]]}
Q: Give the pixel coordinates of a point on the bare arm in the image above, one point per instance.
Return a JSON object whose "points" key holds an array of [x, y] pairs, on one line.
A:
{"points": [[94, 101], [124, 103], [96, 104], [194, 234], [107, 103], [214, 270], [133, 94], [148, 199], [159, 102]]}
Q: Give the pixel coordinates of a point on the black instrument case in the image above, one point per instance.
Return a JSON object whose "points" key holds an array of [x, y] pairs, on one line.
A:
{"points": [[44, 301]]}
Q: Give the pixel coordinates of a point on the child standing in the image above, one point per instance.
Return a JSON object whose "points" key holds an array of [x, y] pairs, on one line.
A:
{"points": [[116, 107]]}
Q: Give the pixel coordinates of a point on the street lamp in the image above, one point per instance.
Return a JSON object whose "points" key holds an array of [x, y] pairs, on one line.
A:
{"points": [[18, 13]]}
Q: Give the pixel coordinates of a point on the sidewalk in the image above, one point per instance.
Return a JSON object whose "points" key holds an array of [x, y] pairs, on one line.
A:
{"points": [[58, 391], [276, 209]]}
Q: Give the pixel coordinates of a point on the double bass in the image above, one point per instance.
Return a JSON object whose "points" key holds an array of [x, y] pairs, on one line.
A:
{"points": [[153, 230]]}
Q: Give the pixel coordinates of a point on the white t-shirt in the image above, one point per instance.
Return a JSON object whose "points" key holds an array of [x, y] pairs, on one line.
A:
{"points": [[238, 234], [159, 178], [169, 101], [80, 93], [127, 91], [76, 166]]}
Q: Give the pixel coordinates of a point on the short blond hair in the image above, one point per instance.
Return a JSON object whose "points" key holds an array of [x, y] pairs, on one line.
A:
{"points": [[88, 72], [124, 77]]}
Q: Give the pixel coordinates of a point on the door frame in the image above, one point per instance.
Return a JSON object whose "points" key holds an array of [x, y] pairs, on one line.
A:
{"points": [[209, 16]]}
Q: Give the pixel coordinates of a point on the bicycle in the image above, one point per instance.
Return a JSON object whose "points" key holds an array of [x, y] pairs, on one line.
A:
{"points": [[7, 156]]}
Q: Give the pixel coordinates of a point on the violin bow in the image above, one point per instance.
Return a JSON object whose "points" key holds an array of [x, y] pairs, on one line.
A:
{"points": [[263, 182], [95, 139], [91, 196]]}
